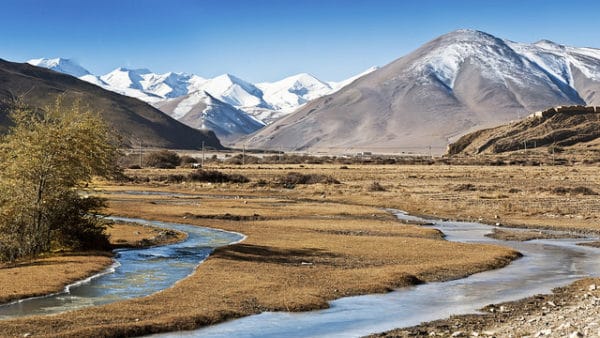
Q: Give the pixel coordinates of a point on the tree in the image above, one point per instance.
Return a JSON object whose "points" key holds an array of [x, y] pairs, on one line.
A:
{"points": [[46, 157]]}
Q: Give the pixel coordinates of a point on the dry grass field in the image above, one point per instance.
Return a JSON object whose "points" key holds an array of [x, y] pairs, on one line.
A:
{"points": [[308, 244]]}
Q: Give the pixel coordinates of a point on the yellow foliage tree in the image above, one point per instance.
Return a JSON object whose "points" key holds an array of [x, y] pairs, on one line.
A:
{"points": [[46, 157]]}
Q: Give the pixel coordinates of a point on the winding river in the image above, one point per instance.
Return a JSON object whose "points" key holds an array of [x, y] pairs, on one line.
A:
{"points": [[545, 264], [139, 272], [136, 272]]}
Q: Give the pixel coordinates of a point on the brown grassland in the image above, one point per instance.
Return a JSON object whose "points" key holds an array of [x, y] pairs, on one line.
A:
{"points": [[314, 243]]}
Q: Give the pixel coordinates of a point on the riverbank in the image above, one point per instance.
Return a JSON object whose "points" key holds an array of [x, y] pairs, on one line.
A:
{"points": [[571, 311], [53, 272]]}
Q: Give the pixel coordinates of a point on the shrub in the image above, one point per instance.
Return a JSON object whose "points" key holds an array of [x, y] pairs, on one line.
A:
{"points": [[375, 186], [293, 178], [214, 176], [183, 160], [163, 159]]}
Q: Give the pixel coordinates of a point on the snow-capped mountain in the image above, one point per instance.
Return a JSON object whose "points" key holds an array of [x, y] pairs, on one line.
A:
{"points": [[202, 111], [458, 82], [60, 65], [294, 91], [177, 93], [149, 86]]}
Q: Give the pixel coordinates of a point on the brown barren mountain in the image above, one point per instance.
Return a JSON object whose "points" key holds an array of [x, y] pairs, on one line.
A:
{"points": [[457, 83], [134, 120], [554, 128]]}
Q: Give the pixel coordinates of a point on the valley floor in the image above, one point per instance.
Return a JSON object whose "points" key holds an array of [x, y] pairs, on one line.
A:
{"points": [[319, 242]]}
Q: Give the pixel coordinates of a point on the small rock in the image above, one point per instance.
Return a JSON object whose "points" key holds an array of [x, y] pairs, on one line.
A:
{"points": [[551, 303], [592, 287], [545, 332], [503, 309], [457, 334], [576, 334], [489, 333], [474, 334], [432, 333], [27, 334], [564, 326]]}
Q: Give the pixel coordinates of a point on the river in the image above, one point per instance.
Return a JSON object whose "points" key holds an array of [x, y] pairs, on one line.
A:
{"points": [[545, 264], [136, 272]]}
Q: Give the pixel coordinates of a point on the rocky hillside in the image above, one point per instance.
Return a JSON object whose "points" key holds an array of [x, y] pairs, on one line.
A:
{"points": [[562, 126], [133, 119]]}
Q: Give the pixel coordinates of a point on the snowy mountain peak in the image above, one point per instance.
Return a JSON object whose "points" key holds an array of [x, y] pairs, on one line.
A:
{"points": [[235, 91], [470, 35], [547, 44], [61, 65]]}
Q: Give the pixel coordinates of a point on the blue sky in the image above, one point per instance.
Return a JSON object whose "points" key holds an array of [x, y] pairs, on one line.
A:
{"points": [[270, 39]]}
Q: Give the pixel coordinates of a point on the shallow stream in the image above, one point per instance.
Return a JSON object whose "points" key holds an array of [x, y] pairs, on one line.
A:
{"points": [[545, 264], [136, 272]]}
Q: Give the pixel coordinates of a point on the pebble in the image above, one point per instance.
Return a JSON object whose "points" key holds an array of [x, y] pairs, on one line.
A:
{"points": [[545, 332], [592, 287], [564, 326], [576, 334], [457, 334]]}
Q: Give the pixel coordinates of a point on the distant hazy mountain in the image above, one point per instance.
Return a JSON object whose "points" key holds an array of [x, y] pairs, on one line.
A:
{"points": [[201, 110], [229, 95], [459, 82], [133, 119]]}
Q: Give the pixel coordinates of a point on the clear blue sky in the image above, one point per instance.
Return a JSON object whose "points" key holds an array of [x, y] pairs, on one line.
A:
{"points": [[266, 40]]}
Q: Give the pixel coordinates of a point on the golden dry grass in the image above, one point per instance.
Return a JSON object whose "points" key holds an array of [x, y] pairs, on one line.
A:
{"points": [[319, 242], [47, 275], [124, 235], [303, 248]]}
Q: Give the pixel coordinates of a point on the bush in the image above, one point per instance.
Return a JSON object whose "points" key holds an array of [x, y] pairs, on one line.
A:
{"points": [[575, 191], [187, 160], [163, 159], [375, 186], [293, 178], [214, 176]]}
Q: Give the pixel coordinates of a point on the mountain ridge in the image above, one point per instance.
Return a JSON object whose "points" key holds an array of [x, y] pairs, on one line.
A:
{"points": [[133, 119], [453, 84]]}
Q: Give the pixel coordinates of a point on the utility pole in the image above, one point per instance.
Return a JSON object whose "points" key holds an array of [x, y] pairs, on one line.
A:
{"points": [[244, 154], [141, 152], [202, 164]]}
